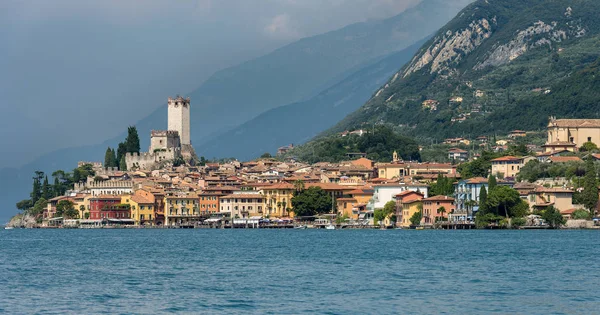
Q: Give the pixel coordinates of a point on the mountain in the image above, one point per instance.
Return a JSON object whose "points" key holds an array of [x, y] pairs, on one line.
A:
{"points": [[299, 122], [497, 66]]}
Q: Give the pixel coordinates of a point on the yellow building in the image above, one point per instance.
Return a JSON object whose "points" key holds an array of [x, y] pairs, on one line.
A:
{"points": [[278, 199], [181, 208], [508, 166], [82, 204], [356, 201], [142, 209], [571, 134], [407, 204]]}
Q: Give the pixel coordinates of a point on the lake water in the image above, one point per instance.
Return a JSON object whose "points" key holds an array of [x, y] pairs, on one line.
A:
{"points": [[299, 271]]}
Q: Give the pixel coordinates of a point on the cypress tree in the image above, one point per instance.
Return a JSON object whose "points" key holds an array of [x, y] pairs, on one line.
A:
{"points": [[492, 182], [36, 190], [108, 158], [115, 162], [590, 187], [132, 142], [46, 191], [121, 151], [122, 164], [482, 199], [57, 187]]}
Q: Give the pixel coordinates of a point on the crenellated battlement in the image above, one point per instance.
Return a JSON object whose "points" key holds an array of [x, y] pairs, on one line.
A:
{"points": [[178, 101], [164, 133]]}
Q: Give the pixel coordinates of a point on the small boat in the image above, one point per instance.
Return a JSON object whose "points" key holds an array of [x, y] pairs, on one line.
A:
{"points": [[300, 227], [9, 228], [330, 227]]}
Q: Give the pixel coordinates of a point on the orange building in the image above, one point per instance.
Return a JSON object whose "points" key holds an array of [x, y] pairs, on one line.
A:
{"points": [[209, 198], [433, 204]]}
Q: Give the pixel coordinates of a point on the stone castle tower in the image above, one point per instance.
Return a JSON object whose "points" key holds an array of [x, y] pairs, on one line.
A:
{"points": [[179, 118]]}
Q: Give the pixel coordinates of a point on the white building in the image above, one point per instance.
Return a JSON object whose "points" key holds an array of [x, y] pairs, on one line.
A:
{"points": [[386, 192]]}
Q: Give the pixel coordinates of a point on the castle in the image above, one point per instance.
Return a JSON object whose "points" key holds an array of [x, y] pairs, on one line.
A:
{"points": [[167, 145]]}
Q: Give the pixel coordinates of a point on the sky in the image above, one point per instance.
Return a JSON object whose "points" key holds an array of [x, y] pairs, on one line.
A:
{"points": [[77, 72]]}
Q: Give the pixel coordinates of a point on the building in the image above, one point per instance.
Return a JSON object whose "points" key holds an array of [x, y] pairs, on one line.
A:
{"points": [[466, 195], [105, 207], [181, 208], [432, 208], [110, 187], [278, 199], [384, 193], [457, 154], [508, 166], [157, 197], [571, 134], [355, 203], [517, 133], [407, 204], [167, 145], [285, 149], [142, 209], [209, 198], [243, 204], [399, 170], [542, 197], [179, 118], [430, 104]]}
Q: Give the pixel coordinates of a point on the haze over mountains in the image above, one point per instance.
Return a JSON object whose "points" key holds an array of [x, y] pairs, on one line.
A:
{"points": [[300, 73]]}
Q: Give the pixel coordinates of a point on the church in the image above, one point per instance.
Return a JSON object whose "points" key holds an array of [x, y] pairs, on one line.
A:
{"points": [[168, 145], [571, 134]]}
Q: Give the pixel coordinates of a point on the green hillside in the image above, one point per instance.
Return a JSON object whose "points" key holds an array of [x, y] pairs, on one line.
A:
{"points": [[513, 63]]}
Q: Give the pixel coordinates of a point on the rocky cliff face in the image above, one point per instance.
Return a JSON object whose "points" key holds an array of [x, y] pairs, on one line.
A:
{"points": [[493, 55]]}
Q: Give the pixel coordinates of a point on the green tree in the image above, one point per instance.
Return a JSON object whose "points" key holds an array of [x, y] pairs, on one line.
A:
{"points": [[589, 195], [415, 219], [443, 186], [132, 142], [311, 201], [121, 151], [24, 205], [492, 183], [266, 155], [441, 211], [110, 160], [299, 185], [38, 208], [482, 198], [46, 189], [553, 217], [66, 208], [36, 190], [379, 215], [502, 201], [588, 147], [580, 215], [123, 164]]}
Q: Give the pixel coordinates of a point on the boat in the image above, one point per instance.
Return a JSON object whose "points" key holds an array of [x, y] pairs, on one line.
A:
{"points": [[300, 227], [9, 228], [330, 227]]}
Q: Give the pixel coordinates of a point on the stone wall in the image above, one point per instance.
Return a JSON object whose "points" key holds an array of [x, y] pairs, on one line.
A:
{"points": [[164, 139], [149, 160]]}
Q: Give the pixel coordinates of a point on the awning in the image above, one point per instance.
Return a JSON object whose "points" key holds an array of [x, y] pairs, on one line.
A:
{"points": [[362, 215]]}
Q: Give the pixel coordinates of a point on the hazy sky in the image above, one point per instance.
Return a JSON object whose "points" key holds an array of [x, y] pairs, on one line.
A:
{"points": [[80, 71]]}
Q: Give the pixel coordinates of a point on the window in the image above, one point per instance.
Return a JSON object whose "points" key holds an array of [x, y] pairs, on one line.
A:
{"points": [[571, 139]]}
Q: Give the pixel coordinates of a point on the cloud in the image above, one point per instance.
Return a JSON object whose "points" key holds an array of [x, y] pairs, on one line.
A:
{"points": [[280, 26]]}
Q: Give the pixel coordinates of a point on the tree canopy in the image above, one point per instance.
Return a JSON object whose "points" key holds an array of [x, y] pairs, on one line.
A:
{"points": [[311, 201]]}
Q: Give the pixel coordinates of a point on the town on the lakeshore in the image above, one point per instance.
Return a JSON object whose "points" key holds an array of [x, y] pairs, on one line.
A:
{"points": [[512, 184]]}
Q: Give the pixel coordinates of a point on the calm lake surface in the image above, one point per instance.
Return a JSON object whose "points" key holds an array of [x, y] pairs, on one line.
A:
{"points": [[299, 271]]}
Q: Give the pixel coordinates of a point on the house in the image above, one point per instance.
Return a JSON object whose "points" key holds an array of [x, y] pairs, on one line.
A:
{"points": [[564, 159], [407, 204], [456, 99], [508, 166], [382, 193], [457, 141], [181, 208], [243, 204], [542, 197], [466, 195], [285, 149], [209, 198], [457, 154], [517, 133], [109, 208], [430, 104], [356, 202], [399, 170], [278, 199], [431, 206], [571, 134], [479, 93], [142, 209]]}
